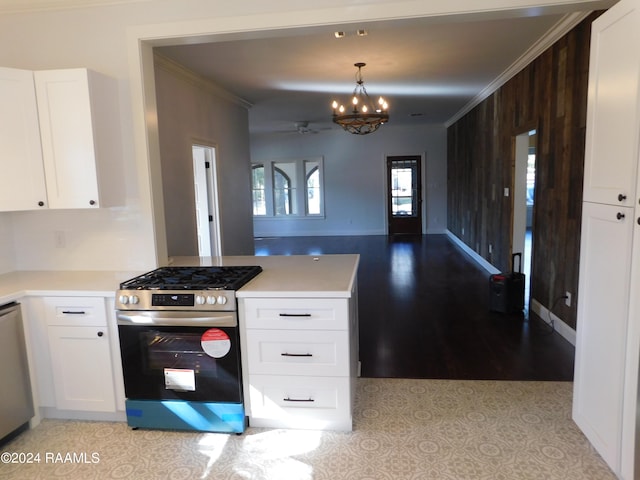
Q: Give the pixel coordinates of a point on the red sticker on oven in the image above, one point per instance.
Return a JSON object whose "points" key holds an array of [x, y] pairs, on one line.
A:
{"points": [[215, 343]]}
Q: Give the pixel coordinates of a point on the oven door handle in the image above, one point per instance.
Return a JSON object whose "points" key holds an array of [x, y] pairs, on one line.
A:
{"points": [[179, 319]]}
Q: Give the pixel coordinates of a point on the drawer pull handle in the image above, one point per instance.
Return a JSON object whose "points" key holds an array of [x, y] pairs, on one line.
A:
{"points": [[296, 354], [298, 399], [74, 312], [295, 314]]}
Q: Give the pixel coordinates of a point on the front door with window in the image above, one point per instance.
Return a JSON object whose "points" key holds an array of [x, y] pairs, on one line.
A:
{"points": [[404, 195]]}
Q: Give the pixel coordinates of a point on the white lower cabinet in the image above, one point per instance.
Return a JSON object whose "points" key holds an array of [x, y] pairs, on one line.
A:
{"points": [[309, 352], [599, 378], [72, 345], [321, 403], [299, 361], [81, 364]]}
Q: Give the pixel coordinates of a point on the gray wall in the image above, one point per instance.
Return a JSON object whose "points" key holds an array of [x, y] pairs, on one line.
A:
{"points": [[355, 177], [190, 113]]}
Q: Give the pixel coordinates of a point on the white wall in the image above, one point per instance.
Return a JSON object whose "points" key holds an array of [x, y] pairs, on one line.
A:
{"points": [[355, 177]]}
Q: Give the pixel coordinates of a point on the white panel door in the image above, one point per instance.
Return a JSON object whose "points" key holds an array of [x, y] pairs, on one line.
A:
{"points": [[613, 114], [22, 184], [602, 326]]}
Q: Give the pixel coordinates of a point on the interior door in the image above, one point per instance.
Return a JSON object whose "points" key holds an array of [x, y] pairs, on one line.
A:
{"points": [[404, 194]]}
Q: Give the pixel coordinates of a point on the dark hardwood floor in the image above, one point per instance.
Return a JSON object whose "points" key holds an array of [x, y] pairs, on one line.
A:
{"points": [[424, 313]]}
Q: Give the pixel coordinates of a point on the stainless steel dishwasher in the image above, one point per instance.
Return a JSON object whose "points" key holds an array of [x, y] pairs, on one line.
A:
{"points": [[16, 401]]}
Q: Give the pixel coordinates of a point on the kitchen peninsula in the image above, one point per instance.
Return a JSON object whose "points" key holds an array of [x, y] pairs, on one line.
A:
{"points": [[298, 326], [299, 338]]}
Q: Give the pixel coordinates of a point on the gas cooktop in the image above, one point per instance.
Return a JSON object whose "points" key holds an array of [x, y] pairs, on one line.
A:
{"points": [[193, 278]]}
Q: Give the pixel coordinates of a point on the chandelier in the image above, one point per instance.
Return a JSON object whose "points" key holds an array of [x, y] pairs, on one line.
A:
{"points": [[365, 117]]}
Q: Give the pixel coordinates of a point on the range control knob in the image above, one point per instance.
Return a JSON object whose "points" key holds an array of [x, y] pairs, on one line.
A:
{"points": [[133, 299], [222, 300], [124, 299], [211, 300], [200, 300]]}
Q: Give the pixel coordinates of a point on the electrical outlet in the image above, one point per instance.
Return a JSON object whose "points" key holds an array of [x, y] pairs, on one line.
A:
{"points": [[567, 299]]}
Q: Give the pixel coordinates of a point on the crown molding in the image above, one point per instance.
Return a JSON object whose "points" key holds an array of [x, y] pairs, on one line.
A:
{"points": [[171, 66], [564, 26]]}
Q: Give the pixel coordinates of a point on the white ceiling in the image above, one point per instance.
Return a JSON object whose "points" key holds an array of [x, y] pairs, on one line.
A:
{"points": [[431, 70], [427, 70]]}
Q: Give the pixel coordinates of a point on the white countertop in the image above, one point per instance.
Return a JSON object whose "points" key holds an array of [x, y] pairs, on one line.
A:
{"points": [[77, 283], [282, 275], [327, 276]]}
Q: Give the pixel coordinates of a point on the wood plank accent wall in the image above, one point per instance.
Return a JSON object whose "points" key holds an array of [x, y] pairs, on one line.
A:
{"points": [[549, 95]]}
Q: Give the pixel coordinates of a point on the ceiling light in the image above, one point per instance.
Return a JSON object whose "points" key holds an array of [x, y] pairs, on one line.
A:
{"points": [[365, 117], [339, 34], [362, 32]]}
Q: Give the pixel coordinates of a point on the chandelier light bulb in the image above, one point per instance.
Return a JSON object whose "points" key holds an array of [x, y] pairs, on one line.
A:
{"points": [[364, 109]]}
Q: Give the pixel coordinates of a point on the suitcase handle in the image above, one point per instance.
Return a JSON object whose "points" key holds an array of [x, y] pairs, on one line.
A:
{"points": [[513, 262]]}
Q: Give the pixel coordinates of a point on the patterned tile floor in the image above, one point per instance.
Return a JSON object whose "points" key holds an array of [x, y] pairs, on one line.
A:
{"points": [[404, 429]]}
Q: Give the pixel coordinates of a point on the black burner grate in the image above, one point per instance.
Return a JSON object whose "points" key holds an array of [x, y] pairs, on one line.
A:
{"points": [[193, 278]]}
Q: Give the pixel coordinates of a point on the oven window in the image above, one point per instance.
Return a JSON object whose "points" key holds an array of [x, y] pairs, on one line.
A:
{"points": [[165, 363], [165, 350]]}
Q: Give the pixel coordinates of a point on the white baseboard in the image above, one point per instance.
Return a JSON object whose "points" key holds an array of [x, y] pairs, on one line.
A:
{"points": [[473, 254], [52, 412], [568, 333]]}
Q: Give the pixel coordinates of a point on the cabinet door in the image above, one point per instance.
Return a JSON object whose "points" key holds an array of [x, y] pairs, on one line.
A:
{"points": [[82, 372], [22, 185], [612, 114], [64, 107], [605, 258]]}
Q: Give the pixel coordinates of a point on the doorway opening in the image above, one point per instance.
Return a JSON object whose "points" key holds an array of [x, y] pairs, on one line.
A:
{"points": [[524, 203], [206, 200], [404, 195]]}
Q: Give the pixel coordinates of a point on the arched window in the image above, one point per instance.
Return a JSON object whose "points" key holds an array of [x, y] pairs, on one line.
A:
{"points": [[288, 188], [258, 189], [313, 188], [282, 192]]}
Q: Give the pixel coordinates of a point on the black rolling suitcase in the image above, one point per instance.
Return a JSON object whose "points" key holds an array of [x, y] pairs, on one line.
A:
{"points": [[506, 290]]}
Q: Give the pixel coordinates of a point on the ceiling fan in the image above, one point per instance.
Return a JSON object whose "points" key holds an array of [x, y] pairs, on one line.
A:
{"points": [[302, 127]]}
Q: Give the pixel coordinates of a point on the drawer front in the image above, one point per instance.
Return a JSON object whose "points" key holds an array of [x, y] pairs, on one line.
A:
{"points": [[296, 313], [76, 311], [286, 352], [300, 402]]}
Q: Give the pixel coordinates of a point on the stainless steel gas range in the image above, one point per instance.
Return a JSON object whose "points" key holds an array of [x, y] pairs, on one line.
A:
{"points": [[180, 348]]}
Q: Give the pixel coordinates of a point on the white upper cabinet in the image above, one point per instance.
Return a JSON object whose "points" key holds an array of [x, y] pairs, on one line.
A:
{"points": [[60, 144], [22, 184], [79, 140], [613, 116]]}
